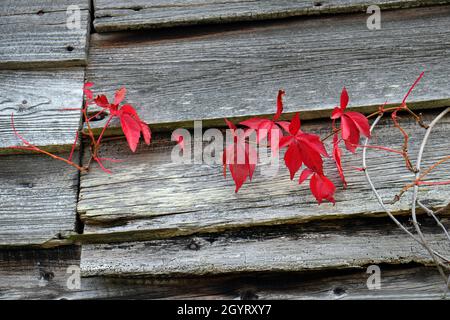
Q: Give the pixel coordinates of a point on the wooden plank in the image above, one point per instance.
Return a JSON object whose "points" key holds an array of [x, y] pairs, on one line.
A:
{"points": [[37, 35], [148, 196], [315, 246], [17, 7], [43, 274], [36, 274], [38, 198], [140, 14], [37, 98], [236, 71]]}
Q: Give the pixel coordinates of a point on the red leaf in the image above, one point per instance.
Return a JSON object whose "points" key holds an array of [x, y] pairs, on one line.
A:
{"points": [[337, 113], [146, 133], [293, 158], [102, 101], [303, 148], [281, 93], [305, 175], [132, 126], [231, 156], [252, 123], [322, 188], [337, 159], [294, 126], [344, 99], [119, 95], [88, 92], [361, 122]]}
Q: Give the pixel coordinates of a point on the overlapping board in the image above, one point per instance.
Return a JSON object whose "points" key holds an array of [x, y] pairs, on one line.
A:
{"points": [[37, 99], [140, 14], [236, 71], [314, 246], [150, 196], [38, 198], [52, 274], [44, 33]]}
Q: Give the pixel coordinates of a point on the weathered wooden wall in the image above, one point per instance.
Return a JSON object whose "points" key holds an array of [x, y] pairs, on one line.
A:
{"points": [[155, 229]]}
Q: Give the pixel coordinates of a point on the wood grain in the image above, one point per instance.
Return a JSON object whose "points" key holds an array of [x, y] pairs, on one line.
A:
{"points": [[38, 198], [43, 274], [140, 14], [37, 35], [148, 196], [235, 71], [36, 98], [18, 7], [314, 246]]}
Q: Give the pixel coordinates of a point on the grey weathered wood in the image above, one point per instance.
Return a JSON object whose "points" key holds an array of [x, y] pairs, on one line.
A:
{"points": [[173, 79], [17, 7], [148, 196], [42, 274], [314, 246], [140, 14], [38, 198], [36, 274], [37, 35], [36, 99]]}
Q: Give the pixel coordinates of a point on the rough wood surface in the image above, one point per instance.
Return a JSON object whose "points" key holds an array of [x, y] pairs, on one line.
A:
{"points": [[43, 274], [17, 7], [38, 198], [140, 14], [36, 35], [36, 99], [148, 196], [314, 246], [235, 71]]}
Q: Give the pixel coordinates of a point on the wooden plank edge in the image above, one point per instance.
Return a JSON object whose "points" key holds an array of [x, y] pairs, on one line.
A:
{"points": [[319, 113], [36, 65], [167, 233], [103, 27]]}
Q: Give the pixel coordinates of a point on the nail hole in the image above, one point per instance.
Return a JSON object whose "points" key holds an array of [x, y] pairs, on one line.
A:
{"points": [[40, 12], [193, 245], [70, 48], [339, 291], [27, 185], [248, 295], [24, 101], [46, 275]]}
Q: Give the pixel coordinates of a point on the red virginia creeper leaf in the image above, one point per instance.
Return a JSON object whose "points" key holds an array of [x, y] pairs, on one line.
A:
{"points": [[322, 188], [305, 175], [277, 115], [132, 126], [119, 95], [337, 153]]}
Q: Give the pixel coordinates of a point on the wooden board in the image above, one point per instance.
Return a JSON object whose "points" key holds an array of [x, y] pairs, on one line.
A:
{"points": [[141, 14], [148, 196], [36, 35], [38, 198], [36, 98], [17, 7], [314, 246], [43, 274], [236, 71]]}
